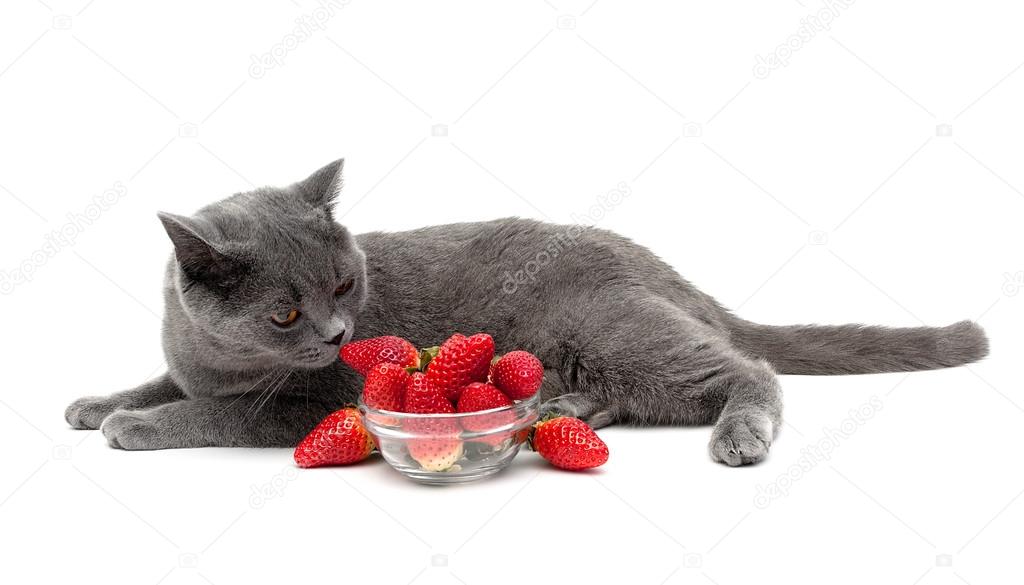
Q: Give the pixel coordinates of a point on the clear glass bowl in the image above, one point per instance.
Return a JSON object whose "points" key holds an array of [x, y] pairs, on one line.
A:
{"points": [[451, 448]]}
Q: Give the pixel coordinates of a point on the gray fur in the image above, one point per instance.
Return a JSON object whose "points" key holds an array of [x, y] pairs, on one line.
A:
{"points": [[624, 337]]}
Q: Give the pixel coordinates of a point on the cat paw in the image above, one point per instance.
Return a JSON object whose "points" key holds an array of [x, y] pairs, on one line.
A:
{"points": [[89, 412], [741, 439], [579, 406], [131, 430], [564, 405]]}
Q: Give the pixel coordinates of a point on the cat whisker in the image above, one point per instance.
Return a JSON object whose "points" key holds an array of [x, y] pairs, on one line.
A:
{"points": [[277, 389], [251, 388], [250, 409], [273, 392]]}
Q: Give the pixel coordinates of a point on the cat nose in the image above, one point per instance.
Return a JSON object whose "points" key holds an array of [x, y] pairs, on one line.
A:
{"points": [[337, 339]]}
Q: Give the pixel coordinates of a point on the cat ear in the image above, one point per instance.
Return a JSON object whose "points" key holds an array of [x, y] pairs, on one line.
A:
{"points": [[197, 257], [322, 187]]}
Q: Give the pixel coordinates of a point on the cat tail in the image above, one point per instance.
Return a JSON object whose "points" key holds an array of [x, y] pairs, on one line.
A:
{"points": [[859, 349]]}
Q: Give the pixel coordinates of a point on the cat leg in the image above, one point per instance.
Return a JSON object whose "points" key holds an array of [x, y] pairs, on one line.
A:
{"points": [[703, 380], [88, 412], [648, 362], [752, 414], [579, 405], [247, 420], [557, 400]]}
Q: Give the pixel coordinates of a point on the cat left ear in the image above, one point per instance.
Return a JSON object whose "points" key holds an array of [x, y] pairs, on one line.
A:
{"points": [[322, 187], [195, 255]]}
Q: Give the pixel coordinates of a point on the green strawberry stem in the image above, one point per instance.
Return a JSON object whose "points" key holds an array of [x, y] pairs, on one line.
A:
{"points": [[426, 355]]}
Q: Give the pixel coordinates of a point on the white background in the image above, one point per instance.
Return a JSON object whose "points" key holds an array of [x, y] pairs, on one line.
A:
{"points": [[822, 192]]}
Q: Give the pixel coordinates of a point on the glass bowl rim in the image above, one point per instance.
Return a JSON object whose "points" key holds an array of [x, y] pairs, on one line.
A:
{"points": [[526, 403]]}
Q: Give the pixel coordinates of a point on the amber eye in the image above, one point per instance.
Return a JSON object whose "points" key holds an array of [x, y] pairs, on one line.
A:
{"points": [[285, 319], [344, 288]]}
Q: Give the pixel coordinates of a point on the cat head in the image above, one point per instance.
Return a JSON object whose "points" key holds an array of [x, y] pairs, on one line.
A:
{"points": [[268, 275]]}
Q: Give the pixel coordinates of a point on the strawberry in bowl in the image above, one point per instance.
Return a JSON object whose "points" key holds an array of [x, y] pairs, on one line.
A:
{"points": [[447, 414], [449, 425]]}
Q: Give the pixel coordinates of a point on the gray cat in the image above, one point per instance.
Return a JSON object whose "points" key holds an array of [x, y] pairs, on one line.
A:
{"points": [[264, 287]]}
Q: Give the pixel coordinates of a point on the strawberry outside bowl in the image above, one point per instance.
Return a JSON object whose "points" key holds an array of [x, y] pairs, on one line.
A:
{"points": [[443, 449]]}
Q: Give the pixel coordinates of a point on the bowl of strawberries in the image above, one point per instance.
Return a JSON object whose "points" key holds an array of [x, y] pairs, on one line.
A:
{"points": [[447, 414]]}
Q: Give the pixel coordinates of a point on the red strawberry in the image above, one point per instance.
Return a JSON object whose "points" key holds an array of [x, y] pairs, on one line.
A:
{"points": [[476, 397], [384, 388], [436, 454], [459, 361], [518, 374], [569, 443], [479, 396], [423, 397], [363, 355], [436, 446], [339, 440]]}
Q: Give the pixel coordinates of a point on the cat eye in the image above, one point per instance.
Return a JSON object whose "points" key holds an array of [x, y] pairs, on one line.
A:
{"points": [[285, 319], [344, 287]]}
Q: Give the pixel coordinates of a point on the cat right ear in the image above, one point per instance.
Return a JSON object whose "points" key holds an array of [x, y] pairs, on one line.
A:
{"points": [[322, 187], [197, 257]]}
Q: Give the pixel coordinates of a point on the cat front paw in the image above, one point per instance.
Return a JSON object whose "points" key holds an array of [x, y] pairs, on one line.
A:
{"points": [[741, 439], [89, 412], [131, 430], [582, 406]]}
